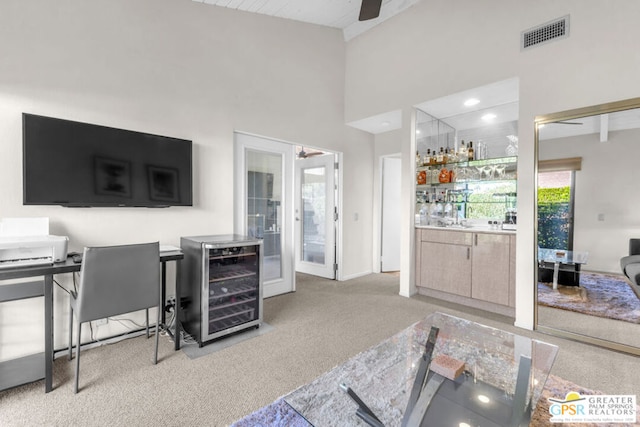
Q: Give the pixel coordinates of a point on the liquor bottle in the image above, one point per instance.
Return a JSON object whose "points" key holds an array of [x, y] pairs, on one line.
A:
{"points": [[426, 161], [470, 150], [435, 174], [451, 156], [440, 157], [462, 151], [424, 214], [417, 158]]}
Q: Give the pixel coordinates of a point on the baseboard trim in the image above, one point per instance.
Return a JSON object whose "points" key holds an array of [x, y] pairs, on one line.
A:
{"points": [[355, 275], [470, 302]]}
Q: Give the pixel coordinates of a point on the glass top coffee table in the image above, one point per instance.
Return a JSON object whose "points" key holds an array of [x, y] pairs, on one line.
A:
{"points": [[501, 382], [557, 258]]}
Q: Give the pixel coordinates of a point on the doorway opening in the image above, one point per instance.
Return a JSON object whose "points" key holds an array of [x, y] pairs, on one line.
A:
{"points": [[316, 212], [391, 213]]}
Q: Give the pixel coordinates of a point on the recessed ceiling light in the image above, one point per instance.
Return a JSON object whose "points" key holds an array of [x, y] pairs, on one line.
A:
{"points": [[488, 117], [471, 102], [463, 425]]}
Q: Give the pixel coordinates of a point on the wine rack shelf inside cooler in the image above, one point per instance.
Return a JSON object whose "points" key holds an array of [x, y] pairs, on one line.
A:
{"points": [[236, 272], [232, 300]]}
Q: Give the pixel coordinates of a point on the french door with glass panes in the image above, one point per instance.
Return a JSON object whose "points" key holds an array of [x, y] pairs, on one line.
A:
{"points": [[315, 216], [263, 205]]}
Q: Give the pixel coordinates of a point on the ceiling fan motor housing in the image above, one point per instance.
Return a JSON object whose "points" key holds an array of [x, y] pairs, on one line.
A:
{"points": [[369, 9]]}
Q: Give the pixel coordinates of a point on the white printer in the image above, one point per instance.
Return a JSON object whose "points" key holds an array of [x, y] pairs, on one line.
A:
{"points": [[26, 241]]}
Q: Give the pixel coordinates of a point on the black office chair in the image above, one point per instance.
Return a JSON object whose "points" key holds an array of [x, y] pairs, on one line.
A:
{"points": [[115, 280]]}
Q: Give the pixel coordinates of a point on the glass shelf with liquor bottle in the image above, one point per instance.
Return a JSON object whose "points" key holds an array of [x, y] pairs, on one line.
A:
{"points": [[496, 169]]}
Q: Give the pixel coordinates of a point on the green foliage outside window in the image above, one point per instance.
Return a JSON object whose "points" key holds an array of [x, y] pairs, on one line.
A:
{"points": [[554, 195], [485, 202], [554, 217]]}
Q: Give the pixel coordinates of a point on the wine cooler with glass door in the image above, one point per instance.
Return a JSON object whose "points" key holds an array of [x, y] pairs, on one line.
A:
{"points": [[221, 280]]}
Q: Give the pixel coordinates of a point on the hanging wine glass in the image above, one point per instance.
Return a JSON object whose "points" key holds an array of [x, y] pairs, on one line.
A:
{"points": [[484, 171]]}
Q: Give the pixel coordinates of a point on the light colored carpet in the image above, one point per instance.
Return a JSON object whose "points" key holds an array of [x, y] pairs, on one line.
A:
{"points": [[602, 295], [316, 328]]}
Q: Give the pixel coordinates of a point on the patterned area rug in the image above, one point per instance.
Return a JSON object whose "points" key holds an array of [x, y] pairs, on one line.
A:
{"points": [[603, 295], [280, 414]]}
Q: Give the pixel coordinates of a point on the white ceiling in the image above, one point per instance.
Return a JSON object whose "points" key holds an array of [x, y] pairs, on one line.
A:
{"points": [[500, 99], [342, 14], [379, 123]]}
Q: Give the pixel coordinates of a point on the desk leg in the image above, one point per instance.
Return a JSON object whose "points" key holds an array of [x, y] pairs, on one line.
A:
{"points": [[163, 293], [48, 332], [556, 268], [176, 337]]}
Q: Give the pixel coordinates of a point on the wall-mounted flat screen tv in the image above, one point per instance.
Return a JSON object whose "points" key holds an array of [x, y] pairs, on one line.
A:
{"points": [[85, 165]]}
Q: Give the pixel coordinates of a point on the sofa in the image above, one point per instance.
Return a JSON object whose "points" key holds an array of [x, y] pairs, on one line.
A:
{"points": [[630, 264]]}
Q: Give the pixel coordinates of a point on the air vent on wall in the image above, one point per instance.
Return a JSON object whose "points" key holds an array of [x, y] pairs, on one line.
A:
{"points": [[554, 30]]}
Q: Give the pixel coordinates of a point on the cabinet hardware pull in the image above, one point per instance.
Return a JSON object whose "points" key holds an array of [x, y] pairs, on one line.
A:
{"points": [[468, 253], [476, 236]]}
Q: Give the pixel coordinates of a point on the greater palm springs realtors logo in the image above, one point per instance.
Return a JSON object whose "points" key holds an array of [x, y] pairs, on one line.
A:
{"points": [[593, 409]]}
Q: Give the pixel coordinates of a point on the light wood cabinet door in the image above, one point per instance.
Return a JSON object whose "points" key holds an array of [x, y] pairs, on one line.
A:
{"points": [[512, 271], [490, 268], [445, 267]]}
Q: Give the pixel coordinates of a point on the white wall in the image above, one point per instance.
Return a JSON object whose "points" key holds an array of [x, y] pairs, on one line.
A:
{"points": [[436, 48], [182, 69], [606, 185], [357, 203]]}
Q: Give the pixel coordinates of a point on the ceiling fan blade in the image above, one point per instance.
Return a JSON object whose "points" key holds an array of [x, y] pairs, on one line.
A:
{"points": [[369, 9], [305, 155]]}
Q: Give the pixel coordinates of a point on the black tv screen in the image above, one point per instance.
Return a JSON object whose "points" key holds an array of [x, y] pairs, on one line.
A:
{"points": [[79, 164]]}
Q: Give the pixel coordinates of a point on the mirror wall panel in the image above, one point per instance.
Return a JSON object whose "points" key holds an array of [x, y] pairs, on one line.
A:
{"points": [[588, 209]]}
